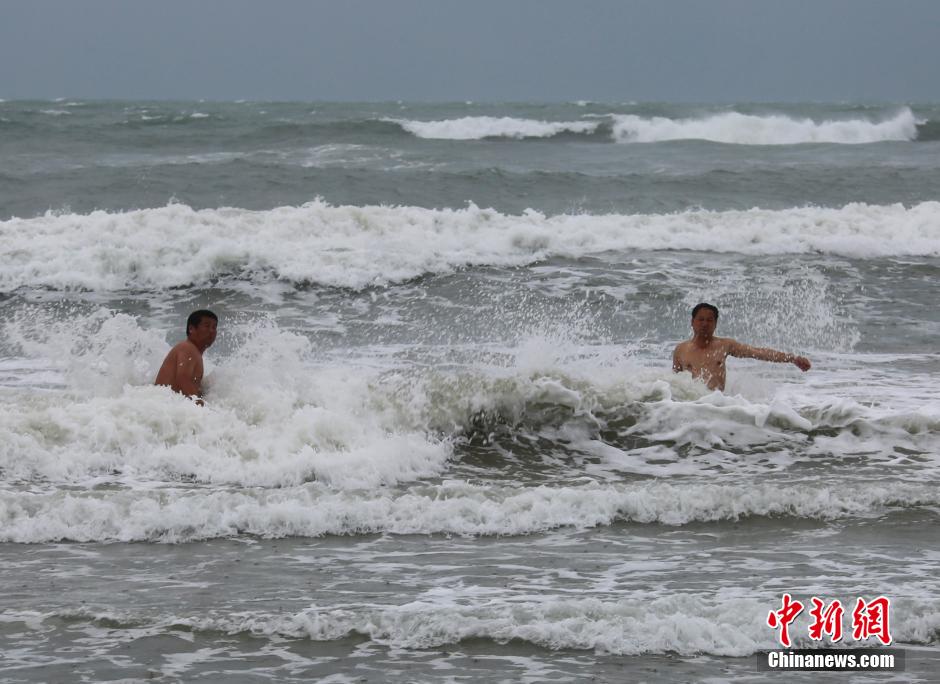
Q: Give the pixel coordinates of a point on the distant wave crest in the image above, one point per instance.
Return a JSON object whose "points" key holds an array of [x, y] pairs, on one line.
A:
{"points": [[747, 129], [480, 127], [726, 127]]}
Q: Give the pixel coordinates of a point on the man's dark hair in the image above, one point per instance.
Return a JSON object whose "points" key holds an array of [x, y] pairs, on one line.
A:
{"points": [[195, 318], [705, 305]]}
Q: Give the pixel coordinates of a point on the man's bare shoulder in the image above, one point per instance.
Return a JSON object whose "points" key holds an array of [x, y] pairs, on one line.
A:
{"points": [[186, 348], [726, 344]]}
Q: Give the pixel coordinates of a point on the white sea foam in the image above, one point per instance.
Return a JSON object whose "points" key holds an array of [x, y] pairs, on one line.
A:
{"points": [[147, 436], [279, 415], [180, 514], [684, 623], [479, 127], [750, 129], [289, 448], [350, 246], [292, 445], [296, 423]]}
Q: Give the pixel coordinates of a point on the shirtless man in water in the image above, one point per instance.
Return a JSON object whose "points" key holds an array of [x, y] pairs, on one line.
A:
{"points": [[704, 355], [182, 368]]}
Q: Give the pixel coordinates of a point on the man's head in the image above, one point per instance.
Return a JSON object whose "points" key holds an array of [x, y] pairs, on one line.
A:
{"points": [[201, 328], [704, 319], [705, 305]]}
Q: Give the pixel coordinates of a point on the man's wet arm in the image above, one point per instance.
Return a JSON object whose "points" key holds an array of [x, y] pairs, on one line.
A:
{"points": [[760, 353]]}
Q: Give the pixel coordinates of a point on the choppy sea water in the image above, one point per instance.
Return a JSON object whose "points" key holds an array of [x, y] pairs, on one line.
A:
{"points": [[442, 440]]}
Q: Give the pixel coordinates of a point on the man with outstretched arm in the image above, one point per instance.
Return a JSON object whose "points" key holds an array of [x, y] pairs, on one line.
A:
{"points": [[704, 355], [182, 368]]}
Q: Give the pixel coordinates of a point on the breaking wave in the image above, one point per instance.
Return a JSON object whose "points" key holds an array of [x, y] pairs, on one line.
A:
{"points": [[747, 129], [686, 624], [726, 127], [357, 247]]}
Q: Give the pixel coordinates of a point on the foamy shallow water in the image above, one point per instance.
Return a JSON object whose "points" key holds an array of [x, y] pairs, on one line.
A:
{"points": [[345, 509]]}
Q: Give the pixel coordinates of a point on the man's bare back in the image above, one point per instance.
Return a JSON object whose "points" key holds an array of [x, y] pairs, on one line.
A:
{"points": [[182, 368], [704, 355]]}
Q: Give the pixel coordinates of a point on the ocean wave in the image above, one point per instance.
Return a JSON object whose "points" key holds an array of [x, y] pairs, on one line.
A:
{"points": [[777, 129], [357, 247], [147, 436], [480, 127], [285, 423], [279, 414], [685, 624], [106, 422], [290, 445], [745, 129], [277, 420], [726, 127], [184, 514]]}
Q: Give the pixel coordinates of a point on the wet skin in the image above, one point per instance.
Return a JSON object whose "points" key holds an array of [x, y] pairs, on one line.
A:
{"points": [[182, 368], [704, 355]]}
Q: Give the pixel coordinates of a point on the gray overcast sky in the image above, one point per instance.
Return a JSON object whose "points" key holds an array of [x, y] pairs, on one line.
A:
{"points": [[677, 50]]}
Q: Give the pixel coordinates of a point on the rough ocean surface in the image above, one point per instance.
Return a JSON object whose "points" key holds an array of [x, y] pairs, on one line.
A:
{"points": [[442, 439]]}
